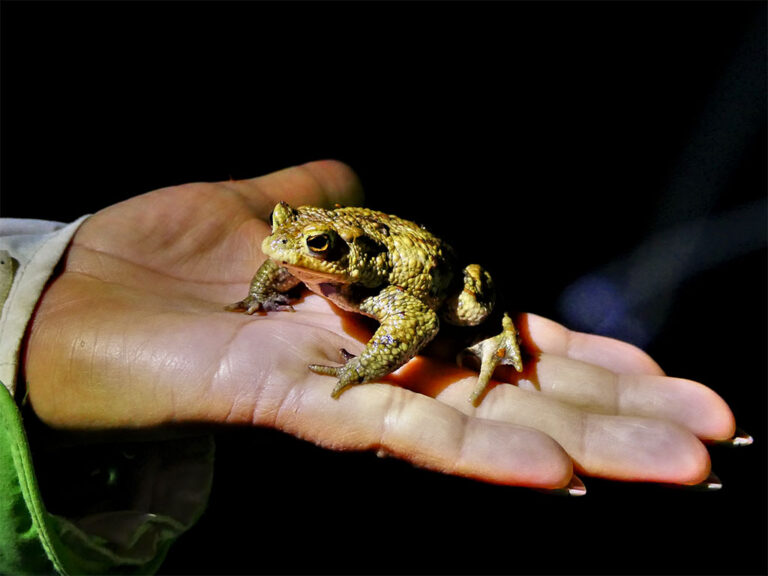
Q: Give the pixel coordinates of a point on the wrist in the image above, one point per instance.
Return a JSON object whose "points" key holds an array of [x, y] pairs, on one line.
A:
{"points": [[33, 249]]}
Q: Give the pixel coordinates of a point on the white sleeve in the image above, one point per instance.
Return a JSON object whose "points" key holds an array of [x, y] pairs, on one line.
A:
{"points": [[29, 252]]}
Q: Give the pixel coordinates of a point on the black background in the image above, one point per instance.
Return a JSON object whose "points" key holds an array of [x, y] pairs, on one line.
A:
{"points": [[555, 136]]}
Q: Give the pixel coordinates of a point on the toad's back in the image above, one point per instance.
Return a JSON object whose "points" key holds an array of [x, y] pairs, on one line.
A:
{"points": [[418, 261]]}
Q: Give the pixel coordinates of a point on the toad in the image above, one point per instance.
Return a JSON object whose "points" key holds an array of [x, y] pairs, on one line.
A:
{"points": [[387, 268]]}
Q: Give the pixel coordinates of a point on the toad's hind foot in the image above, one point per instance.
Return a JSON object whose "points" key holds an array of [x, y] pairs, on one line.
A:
{"points": [[347, 374], [501, 349]]}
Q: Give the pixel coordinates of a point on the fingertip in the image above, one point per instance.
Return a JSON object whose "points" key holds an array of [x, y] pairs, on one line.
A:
{"points": [[513, 455], [559, 472], [642, 450], [681, 458], [694, 464], [720, 423], [691, 404]]}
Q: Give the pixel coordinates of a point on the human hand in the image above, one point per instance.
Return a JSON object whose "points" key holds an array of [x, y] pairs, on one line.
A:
{"points": [[133, 334]]}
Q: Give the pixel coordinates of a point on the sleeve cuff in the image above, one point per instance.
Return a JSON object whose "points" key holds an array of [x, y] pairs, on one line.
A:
{"points": [[29, 252]]}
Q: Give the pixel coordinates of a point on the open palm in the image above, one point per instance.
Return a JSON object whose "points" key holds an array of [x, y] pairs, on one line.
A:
{"points": [[133, 334]]}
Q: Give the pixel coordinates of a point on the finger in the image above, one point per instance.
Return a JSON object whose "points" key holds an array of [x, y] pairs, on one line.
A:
{"points": [[595, 389], [640, 449], [427, 433], [607, 445], [543, 335], [320, 183]]}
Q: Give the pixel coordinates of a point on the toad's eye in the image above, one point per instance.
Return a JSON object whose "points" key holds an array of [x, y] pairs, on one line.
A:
{"points": [[319, 242]]}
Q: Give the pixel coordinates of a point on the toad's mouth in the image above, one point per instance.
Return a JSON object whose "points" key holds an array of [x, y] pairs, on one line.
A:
{"points": [[314, 277]]}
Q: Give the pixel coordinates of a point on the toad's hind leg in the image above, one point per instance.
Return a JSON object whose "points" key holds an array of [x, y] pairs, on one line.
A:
{"points": [[473, 301], [503, 348], [406, 326]]}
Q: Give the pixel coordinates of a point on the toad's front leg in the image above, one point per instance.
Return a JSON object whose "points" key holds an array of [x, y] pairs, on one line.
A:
{"points": [[267, 290], [406, 326]]}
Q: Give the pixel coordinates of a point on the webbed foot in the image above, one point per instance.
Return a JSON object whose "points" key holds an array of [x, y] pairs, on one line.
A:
{"points": [[348, 374], [253, 304], [268, 290], [503, 348]]}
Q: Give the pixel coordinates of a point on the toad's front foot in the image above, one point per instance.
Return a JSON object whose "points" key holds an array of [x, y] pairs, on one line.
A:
{"points": [[501, 349], [268, 290], [253, 304]]}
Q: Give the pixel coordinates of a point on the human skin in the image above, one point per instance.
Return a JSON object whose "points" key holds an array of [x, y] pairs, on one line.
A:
{"points": [[132, 334]]}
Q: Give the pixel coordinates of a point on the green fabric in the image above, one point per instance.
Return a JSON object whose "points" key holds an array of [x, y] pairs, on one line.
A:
{"points": [[171, 480], [26, 544]]}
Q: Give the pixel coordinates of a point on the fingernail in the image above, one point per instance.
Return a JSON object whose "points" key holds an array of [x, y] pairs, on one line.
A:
{"points": [[574, 488], [740, 438], [711, 484]]}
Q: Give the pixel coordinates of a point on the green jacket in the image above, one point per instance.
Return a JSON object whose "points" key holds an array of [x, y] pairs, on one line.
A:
{"points": [[84, 506]]}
